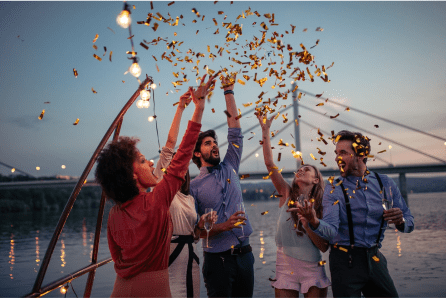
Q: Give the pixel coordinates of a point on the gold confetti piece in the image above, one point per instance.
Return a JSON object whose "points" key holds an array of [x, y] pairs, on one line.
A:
{"points": [[336, 202], [237, 224], [111, 52], [95, 47], [241, 82], [144, 46], [320, 104], [264, 213], [382, 151], [97, 57], [343, 249], [321, 263], [339, 183], [75, 73], [76, 122], [337, 138], [278, 158], [42, 114], [237, 146], [94, 91], [244, 176], [334, 116], [312, 200], [155, 26], [46, 102], [157, 68], [171, 3], [96, 38], [227, 113], [347, 109], [221, 12], [229, 180], [312, 156], [111, 30], [376, 126], [213, 110], [375, 258]]}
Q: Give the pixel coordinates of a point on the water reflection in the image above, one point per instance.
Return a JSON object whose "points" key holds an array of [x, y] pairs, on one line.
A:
{"points": [[398, 243], [37, 251], [262, 247], [11, 256], [62, 254]]}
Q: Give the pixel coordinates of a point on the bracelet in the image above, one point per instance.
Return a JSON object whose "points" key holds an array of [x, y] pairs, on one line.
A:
{"points": [[228, 92]]}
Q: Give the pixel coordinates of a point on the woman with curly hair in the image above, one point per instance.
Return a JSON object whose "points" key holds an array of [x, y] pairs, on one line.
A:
{"points": [[139, 226], [298, 247]]}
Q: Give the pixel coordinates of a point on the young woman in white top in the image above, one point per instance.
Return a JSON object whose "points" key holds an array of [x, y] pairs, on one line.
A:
{"points": [[184, 275], [298, 249]]}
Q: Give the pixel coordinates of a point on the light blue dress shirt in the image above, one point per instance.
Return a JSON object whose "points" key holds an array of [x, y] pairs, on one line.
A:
{"points": [[367, 211], [220, 190]]}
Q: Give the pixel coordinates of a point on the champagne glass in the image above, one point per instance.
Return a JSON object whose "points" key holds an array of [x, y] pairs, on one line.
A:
{"points": [[301, 200], [388, 204], [208, 224], [241, 207]]}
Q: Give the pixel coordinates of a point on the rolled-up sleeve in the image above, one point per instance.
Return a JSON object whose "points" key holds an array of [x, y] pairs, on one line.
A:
{"points": [[329, 224], [235, 147]]}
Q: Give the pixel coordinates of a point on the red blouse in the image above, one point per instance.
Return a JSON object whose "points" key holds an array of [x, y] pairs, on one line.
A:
{"points": [[139, 230]]}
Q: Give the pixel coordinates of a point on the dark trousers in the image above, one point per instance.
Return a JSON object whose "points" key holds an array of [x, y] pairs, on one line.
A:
{"points": [[363, 275], [227, 276]]}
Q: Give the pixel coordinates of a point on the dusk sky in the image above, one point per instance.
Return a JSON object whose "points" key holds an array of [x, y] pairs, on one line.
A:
{"points": [[389, 60]]}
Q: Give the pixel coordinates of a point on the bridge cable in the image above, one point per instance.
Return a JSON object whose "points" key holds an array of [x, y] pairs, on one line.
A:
{"points": [[11, 167], [378, 117], [382, 137]]}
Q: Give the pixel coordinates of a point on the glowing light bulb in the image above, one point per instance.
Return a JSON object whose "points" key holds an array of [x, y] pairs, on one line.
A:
{"points": [[63, 289], [292, 82], [124, 19], [257, 155], [135, 70], [63, 167], [37, 168], [390, 147], [153, 86], [145, 95], [145, 104], [151, 118], [13, 170], [140, 104]]}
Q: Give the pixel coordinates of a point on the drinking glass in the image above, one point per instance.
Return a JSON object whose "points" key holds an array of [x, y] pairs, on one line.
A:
{"points": [[208, 224], [388, 204], [301, 200], [241, 207]]}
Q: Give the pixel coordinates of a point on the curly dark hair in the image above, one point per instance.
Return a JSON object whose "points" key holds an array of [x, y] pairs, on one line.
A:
{"points": [[362, 147], [202, 135], [114, 170]]}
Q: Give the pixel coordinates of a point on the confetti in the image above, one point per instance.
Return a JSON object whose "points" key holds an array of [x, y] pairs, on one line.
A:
{"points": [[111, 52], [42, 114], [76, 122], [213, 110], [237, 146], [94, 91], [144, 46], [337, 138], [111, 30], [171, 3], [227, 113], [334, 116], [97, 57], [312, 156], [343, 249], [320, 104], [383, 151], [228, 180], [321, 263], [238, 223], [336, 202], [264, 213], [96, 38], [376, 126], [244, 176], [375, 258], [95, 47], [278, 158], [75, 73]]}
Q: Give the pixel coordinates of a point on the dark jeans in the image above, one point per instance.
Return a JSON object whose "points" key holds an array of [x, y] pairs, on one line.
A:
{"points": [[228, 276], [366, 276]]}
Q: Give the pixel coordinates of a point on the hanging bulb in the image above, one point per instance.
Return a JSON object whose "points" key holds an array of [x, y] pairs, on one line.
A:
{"points": [[63, 289], [124, 19], [151, 118], [153, 86], [135, 70], [140, 104], [145, 95], [13, 170], [145, 104]]}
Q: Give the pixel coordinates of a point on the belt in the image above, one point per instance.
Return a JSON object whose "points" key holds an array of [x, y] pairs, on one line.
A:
{"points": [[354, 249], [234, 251]]}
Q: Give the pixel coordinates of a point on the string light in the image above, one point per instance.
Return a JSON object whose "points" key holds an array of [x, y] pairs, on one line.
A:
{"points": [[13, 170], [151, 118], [124, 20], [146, 104], [153, 86], [145, 95], [64, 289], [140, 104], [37, 168], [135, 69]]}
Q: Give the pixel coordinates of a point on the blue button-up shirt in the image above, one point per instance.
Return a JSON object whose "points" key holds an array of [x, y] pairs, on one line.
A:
{"points": [[219, 188], [367, 211]]}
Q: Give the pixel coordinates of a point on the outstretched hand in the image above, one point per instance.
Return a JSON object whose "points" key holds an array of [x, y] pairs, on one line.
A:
{"points": [[306, 212], [235, 221], [227, 82], [267, 124], [202, 91], [185, 99]]}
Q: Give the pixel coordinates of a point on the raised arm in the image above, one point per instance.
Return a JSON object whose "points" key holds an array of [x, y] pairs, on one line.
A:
{"points": [[231, 107], [199, 95], [279, 183]]}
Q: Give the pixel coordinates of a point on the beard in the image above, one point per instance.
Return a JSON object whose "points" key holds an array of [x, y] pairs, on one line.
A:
{"points": [[214, 161]]}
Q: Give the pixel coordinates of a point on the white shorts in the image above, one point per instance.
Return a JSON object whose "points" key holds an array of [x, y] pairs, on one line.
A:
{"points": [[298, 275]]}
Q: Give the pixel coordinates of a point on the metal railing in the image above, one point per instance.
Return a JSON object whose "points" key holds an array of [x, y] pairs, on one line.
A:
{"points": [[38, 290]]}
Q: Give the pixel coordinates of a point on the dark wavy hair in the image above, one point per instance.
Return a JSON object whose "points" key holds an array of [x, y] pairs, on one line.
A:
{"points": [[316, 193], [114, 170], [362, 148], [202, 135]]}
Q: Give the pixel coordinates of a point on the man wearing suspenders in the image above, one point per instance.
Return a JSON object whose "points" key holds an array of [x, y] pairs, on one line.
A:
{"points": [[354, 221]]}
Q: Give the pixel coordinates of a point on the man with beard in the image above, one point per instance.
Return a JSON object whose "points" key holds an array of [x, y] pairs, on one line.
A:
{"points": [[354, 220], [228, 268]]}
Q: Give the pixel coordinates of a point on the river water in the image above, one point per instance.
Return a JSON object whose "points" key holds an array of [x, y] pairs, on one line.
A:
{"points": [[25, 236]]}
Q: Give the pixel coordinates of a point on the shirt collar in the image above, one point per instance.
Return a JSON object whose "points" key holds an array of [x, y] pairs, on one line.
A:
{"points": [[212, 168]]}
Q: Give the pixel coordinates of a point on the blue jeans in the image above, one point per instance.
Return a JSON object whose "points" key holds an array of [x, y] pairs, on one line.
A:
{"points": [[227, 276]]}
